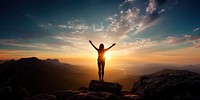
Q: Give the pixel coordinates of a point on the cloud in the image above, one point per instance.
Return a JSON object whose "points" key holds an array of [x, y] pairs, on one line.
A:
{"points": [[133, 21], [46, 26], [63, 26], [75, 26], [196, 29], [147, 21], [197, 43], [13, 42], [139, 44], [126, 1], [76, 41], [98, 28], [153, 6], [80, 27], [55, 45], [127, 21], [186, 38], [152, 14], [161, 11], [144, 44]]}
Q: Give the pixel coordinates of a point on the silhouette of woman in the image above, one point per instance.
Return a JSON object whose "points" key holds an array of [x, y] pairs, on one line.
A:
{"points": [[101, 58]]}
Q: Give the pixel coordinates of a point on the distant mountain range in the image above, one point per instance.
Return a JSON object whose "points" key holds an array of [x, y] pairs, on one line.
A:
{"points": [[41, 76], [149, 68]]}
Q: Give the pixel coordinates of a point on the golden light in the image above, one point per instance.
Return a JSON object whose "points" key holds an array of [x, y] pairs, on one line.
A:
{"points": [[107, 55]]}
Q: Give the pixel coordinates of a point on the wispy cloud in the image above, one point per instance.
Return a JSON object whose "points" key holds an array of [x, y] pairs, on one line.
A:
{"points": [[139, 44], [161, 11], [13, 42], [76, 41], [196, 29], [76, 26], [34, 46], [46, 25], [126, 1], [63, 26], [186, 38]]}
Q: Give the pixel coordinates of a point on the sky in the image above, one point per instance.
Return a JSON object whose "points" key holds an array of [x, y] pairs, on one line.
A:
{"points": [[145, 31]]}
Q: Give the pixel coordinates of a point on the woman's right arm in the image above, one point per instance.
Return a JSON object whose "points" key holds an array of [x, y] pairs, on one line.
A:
{"points": [[92, 44]]}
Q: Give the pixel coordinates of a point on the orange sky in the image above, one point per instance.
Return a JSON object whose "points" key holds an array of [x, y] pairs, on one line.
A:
{"points": [[115, 57]]}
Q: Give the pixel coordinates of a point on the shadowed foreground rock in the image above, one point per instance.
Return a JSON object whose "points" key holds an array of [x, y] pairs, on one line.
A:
{"points": [[169, 85], [105, 87], [41, 97], [8, 93]]}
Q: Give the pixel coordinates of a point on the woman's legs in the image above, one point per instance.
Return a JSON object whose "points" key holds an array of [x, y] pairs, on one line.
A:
{"points": [[99, 70], [103, 65]]}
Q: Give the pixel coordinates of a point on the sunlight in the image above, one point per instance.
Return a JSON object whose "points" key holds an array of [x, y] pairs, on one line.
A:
{"points": [[107, 55]]}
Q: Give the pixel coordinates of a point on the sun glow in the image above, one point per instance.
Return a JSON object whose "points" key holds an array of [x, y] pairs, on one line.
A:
{"points": [[107, 55]]}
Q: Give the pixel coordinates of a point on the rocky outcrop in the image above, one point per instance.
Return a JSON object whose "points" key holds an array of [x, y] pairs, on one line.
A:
{"points": [[105, 87], [8, 93], [169, 85]]}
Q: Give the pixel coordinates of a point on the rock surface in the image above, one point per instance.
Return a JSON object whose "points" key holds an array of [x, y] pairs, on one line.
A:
{"points": [[41, 97], [105, 87], [8, 93], [169, 85]]}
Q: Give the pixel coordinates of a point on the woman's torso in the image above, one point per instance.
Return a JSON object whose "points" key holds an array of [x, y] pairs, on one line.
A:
{"points": [[101, 56]]}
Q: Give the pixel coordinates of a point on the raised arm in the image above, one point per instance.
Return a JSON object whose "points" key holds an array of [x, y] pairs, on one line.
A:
{"points": [[110, 46], [92, 44]]}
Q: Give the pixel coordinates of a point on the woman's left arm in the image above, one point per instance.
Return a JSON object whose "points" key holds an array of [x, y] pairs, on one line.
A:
{"points": [[110, 46]]}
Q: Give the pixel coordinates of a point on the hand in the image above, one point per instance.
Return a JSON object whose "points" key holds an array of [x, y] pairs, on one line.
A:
{"points": [[114, 44], [90, 41]]}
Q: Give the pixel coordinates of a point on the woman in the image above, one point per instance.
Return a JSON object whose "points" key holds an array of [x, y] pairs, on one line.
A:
{"points": [[101, 58]]}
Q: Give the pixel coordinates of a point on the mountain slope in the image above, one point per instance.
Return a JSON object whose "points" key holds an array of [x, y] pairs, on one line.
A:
{"points": [[169, 84], [42, 76]]}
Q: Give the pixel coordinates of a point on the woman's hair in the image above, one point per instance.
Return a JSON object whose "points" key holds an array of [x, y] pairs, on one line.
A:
{"points": [[101, 46]]}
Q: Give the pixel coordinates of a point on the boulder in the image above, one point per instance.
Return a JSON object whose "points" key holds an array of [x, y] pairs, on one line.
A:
{"points": [[169, 85], [105, 87]]}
